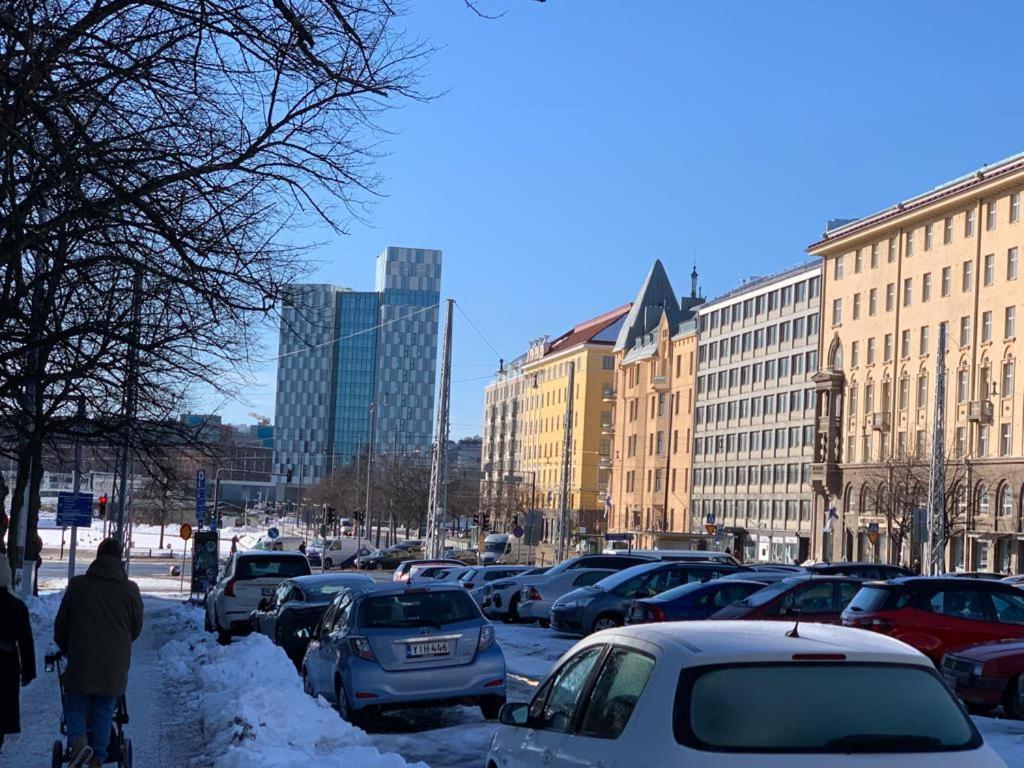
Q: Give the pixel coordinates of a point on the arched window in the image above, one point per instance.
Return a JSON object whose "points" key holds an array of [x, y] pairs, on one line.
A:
{"points": [[1006, 502], [983, 507], [835, 361]]}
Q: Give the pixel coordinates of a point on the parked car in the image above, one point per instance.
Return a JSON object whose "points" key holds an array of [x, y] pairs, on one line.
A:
{"points": [[764, 577], [871, 571], [500, 599], [248, 577], [988, 575], [986, 675], [739, 695], [289, 615], [606, 603], [817, 599], [397, 646], [387, 559], [476, 577], [692, 602], [405, 568], [939, 614], [433, 573], [280, 544], [689, 555]]}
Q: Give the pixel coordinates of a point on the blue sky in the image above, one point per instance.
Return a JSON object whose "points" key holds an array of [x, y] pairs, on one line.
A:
{"points": [[578, 140]]}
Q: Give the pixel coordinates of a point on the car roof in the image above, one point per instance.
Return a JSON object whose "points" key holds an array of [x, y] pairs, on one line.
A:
{"points": [[857, 564], [330, 578], [950, 581], [396, 588], [263, 553], [715, 642], [488, 568]]}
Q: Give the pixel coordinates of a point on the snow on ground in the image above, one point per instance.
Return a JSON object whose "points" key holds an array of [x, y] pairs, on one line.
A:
{"points": [[252, 708], [1004, 736]]}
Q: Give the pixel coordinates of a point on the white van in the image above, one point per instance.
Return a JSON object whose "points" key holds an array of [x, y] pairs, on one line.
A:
{"points": [[280, 544], [497, 546]]}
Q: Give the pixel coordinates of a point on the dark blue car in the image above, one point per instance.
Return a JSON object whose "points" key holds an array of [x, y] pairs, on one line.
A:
{"points": [[691, 602]]}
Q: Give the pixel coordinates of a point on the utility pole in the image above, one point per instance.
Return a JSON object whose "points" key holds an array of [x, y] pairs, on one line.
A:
{"points": [[369, 475], [937, 476], [131, 386], [78, 484], [439, 465], [562, 521]]}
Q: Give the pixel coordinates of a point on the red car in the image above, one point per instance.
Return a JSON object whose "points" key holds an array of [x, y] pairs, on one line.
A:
{"points": [[936, 615], [817, 599], [987, 675]]}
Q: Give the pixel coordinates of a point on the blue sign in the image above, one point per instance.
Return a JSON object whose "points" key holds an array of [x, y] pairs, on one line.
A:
{"points": [[618, 537], [200, 497], [273, 533], [74, 509], [518, 531]]}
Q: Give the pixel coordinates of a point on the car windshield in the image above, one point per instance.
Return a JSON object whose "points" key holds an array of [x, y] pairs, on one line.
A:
{"points": [[417, 609], [323, 592], [271, 567], [821, 708], [677, 593], [769, 593], [497, 547], [632, 575]]}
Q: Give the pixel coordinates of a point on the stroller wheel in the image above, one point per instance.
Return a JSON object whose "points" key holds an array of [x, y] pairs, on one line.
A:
{"points": [[58, 754], [126, 755]]}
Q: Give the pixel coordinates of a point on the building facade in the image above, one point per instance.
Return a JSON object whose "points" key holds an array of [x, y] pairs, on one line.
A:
{"points": [[652, 419], [589, 348], [501, 452], [358, 364], [754, 414], [948, 257]]}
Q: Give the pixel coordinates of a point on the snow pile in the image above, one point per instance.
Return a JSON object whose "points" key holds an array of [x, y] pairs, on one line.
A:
{"points": [[252, 708]]}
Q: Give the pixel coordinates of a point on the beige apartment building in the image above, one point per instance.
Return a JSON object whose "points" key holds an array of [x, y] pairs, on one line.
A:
{"points": [[652, 420], [504, 493], [950, 256]]}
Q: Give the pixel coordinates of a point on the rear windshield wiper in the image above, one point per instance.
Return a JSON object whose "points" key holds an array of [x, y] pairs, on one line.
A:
{"points": [[883, 742]]}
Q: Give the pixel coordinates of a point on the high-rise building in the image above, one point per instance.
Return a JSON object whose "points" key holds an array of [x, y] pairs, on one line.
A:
{"points": [[949, 257], [754, 415], [358, 363], [652, 421]]}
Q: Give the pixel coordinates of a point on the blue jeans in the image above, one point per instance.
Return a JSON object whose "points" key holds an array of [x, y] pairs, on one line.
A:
{"points": [[98, 712]]}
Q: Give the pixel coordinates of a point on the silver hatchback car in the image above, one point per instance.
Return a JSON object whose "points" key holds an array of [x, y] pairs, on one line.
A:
{"points": [[396, 646]]}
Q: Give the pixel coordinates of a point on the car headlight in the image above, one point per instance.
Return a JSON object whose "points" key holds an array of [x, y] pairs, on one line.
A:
{"points": [[579, 602], [978, 668]]}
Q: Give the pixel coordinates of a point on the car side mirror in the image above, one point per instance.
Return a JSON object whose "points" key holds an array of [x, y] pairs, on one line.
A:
{"points": [[515, 715], [264, 604]]}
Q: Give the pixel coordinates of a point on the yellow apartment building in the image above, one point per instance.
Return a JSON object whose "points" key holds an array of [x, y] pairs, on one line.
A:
{"points": [[950, 256]]}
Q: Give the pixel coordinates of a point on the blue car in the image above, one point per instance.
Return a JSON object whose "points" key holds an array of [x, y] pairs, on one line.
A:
{"points": [[691, 602], [391, 646]]}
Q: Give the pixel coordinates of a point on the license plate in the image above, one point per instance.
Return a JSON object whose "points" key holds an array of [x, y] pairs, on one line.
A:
{"points": [[427, 650], [267, 591]]}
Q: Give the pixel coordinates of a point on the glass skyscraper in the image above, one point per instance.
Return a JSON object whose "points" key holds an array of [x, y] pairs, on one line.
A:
{"points": [[341, 351]]}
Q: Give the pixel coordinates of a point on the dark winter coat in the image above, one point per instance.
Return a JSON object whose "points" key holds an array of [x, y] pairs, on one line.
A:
{"points": [[99, 619], [17, 658]]}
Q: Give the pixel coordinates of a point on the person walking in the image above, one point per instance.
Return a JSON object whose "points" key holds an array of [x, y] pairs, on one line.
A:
{"points": [[17, 654], [99, 618]]}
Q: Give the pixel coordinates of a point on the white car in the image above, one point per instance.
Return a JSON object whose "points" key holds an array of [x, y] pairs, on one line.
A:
{"points": [[727, 694], [536, 596], [499, 596], [248, 578]]}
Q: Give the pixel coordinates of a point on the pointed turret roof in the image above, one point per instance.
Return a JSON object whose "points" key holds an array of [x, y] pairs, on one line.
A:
{"points": [[655, 297]]}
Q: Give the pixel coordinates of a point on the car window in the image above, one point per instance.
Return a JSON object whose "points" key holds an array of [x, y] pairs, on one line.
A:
{"points": [[589, 579], [810, 598], [958, 603], [1009, 608], [417, 609], [720, 597], [618, 688], [271, 567], [280, 595], [343, 611], [555, 705], [325, 624], [847, 591]]}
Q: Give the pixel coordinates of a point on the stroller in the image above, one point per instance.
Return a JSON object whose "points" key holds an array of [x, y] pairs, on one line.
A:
{"points": [[120, 749]]}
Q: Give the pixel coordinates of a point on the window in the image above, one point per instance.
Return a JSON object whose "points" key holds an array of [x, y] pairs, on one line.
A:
{"points": [[926, 287], [947, 230], [961, 441], [1011, 264], [969, 223], [1009, 607], [983, 433], [962, 386], [813, 287], [892, 250], [904, 394], [990, 215], [927, 237], [986, 326], [923, 342], [910, 243], [890, 297], [618, 688], [608, 363], [874, 255], [872, 301], [554, 706], [905, 343], [837, 311], [1008, 376], [965, 330], [922, 390], [857, 262], [854, 353], [856, 306], [968, 276], [959, 603], [1014, 207], [837, 271], [1005, 436], [908, 291], [887, 348], [946, 280], [871, 351], [990, 269], [1010, 323]]}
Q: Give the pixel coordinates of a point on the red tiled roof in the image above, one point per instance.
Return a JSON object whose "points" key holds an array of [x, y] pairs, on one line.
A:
{"points": [[586, 331]]}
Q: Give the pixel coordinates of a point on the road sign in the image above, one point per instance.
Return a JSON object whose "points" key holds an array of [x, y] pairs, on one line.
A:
{"points": [[186, 531], [709, 527], [74, 509], [273, 533], [618, 537], [518, 531], [205, 561], [200, 497]]}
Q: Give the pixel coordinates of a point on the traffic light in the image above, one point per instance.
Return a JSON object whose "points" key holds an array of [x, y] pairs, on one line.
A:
{"points": [[331, 517], [288, 476], [102, 511]]}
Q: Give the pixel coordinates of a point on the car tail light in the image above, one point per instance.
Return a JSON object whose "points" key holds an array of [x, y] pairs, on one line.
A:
{"points": [[468, 585], [884, 626], [361, 648], [229, 588], [654, 613], [486, 637], [533, 594]]}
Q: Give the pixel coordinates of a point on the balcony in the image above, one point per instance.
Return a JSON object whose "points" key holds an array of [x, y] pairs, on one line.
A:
{"points": [[980, 411], [660, 383], [880, 421], [605, 462], [608, 396], [607, 428]]}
